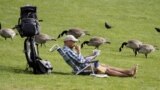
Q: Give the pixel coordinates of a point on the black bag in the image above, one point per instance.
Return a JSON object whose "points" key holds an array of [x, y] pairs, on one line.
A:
{"points": [[28, 24], [28, 27], [36, 64], [42, 67]]}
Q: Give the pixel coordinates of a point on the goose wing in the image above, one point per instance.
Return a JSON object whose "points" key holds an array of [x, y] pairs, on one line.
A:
{"points": [[76, 32]]}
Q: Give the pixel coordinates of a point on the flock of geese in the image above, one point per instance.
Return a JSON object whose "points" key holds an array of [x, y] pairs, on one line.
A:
{"points": [[136, 45]]}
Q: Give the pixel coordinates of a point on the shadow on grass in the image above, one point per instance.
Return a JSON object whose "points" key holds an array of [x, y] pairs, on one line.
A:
{"points": [[11, 69], [23, 71], [61, 73], [17, 70], [70, 73]]}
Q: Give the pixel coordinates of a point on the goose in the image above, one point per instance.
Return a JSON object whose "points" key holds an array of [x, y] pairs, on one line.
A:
{"points": [[76, 32], [43, 38], [7, 32], [145, 49], [107, 25], [157, 29], [95, 41], [132, 44]]}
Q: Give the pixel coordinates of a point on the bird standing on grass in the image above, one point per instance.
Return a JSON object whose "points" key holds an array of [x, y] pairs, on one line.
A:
{"points": [[7, 32], [157, 29], [132, 44], [43, 38], [107, 25], [145, 49], [76, 32], [95, 41]]}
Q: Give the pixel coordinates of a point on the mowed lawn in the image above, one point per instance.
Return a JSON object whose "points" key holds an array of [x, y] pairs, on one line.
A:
{"points": [[130, 19]]}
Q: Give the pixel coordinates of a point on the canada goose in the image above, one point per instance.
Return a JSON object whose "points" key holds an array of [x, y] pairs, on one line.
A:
{"points": [[133, 44], [95, 41], [7, 32], [145, 49], [107, 25], [76, 32], [157, 29], [43, 38]]}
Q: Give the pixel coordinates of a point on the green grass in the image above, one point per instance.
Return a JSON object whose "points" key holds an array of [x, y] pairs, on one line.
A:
{"points": [[131, 19]]}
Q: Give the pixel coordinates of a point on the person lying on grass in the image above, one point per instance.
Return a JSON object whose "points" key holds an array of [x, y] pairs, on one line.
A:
{"points": [[74, 53]]}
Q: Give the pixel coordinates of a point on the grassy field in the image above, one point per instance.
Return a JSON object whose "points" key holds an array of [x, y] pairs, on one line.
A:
{"points": [[131, 19]]}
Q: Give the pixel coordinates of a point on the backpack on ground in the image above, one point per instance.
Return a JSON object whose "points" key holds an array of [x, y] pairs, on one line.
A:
{"points": [[42, 66]]}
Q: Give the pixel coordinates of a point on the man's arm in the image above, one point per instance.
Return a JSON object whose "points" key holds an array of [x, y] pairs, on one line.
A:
{"points": [[74, 56]]}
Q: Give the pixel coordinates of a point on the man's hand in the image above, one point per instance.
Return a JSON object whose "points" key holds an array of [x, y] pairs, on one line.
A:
{"points": [[78, 49]]}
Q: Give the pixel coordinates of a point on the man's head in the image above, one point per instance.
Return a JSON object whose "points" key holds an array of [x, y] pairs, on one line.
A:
{"points": [[70, 40]]}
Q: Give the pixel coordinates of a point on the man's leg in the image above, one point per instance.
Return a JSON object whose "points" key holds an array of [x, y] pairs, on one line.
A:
{"points": [[111, 72], [131, 71]]}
